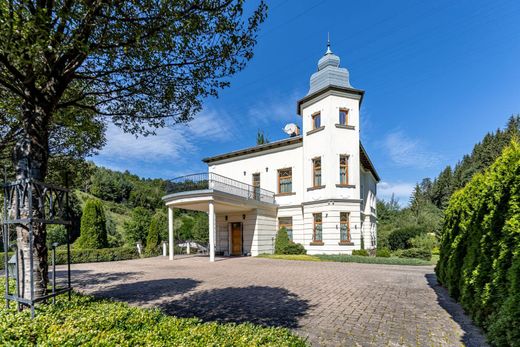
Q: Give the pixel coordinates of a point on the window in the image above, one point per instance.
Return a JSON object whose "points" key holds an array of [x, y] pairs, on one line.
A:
{"points": [[316, 172], [344, 226], [316, 120], [285, 181], [343, 169], [286, 222], [317, 232], [343, 116]]}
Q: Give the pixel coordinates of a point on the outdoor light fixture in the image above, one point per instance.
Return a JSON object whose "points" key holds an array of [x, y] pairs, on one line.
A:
{"points": [[244, 173], [11, 267], [243, 216], [266, 169], [226, 217]]}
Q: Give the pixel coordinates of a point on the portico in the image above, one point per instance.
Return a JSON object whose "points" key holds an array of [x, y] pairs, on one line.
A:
{"points": [[236, 213]]}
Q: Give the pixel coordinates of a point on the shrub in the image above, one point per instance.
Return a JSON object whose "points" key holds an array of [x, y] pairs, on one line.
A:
{"points": [[383, 252], [400, 238], [153, 239], [89, 321], [295, 248], [56, 234], [425, 241], [78, 256], [480, 247], [418, 253], [361, 252], [282, 241], [93, 232]]}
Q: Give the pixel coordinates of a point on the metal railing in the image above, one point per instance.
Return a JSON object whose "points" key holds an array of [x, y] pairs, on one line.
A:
{"points": [[202, 181]]}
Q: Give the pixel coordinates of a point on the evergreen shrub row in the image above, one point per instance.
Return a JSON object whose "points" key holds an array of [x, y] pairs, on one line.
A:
{"points": [[480, 248]]}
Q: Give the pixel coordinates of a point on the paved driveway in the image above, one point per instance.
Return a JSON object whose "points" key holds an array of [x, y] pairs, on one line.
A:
{"points": [[329, 303]]}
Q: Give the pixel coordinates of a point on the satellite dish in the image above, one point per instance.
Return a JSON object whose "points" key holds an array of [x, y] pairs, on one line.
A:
{"points": [[291, 129]]}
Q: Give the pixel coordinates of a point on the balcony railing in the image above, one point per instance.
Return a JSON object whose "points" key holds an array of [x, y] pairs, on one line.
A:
{"points": [[202, 181]]}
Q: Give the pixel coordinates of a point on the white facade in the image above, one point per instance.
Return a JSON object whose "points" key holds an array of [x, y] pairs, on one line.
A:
{"points": [[309, 199]]}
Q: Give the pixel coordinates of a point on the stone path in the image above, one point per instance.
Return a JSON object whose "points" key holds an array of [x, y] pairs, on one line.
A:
{"points": [[331, 304]]}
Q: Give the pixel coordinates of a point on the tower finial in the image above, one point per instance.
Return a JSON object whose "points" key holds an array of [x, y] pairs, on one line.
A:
{"points": [[328, 44]]}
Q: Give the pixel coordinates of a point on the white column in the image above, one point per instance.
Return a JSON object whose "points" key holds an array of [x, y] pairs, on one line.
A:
{"points": [[170, 231], [211, 220]]}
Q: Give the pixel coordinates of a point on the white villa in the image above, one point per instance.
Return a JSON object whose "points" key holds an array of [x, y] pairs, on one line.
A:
{"points": [[320, 185]]}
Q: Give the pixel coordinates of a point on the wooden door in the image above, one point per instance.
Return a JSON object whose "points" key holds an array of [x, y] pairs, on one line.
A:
{"points": [[236, 238]]}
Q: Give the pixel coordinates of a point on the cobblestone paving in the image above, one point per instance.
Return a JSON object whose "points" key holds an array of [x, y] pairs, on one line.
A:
{"points": [[331, 304]]}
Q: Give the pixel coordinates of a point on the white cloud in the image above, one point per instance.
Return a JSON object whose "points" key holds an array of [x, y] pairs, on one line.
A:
{"points": [[400, 190], [211, 124], [407, 152], [167, 144], [274, 108]]}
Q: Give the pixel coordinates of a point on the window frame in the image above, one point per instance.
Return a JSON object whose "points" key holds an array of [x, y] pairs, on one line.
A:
{"points": [[345, 165], [280, 180], [314, 169], [314, 116], [344, 221], [347, 111], [314, 227]]}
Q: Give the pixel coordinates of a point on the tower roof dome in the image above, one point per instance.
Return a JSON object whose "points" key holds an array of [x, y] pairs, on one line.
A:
{"points": [[329, 73]]}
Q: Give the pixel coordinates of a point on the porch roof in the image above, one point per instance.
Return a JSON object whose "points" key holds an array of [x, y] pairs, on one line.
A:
{"points": [[193, 192]]}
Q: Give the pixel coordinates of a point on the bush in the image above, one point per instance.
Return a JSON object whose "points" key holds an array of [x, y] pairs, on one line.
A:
{"points": [[282, 244], [424, 241], [418, 253], [400, 238], [93, 232], [78, 256], [153, 239], [360, 252], [56, 234], [383, 253], [480, 247], [295, 248], [282, 241], [86, 320]]}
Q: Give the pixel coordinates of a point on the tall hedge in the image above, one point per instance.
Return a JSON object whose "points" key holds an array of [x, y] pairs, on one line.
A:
{"points": [[158, 226], [93, 234], [480, 248]]}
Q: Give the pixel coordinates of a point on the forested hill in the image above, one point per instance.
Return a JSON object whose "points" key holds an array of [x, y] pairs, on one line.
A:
{"points": [[424, 215]]}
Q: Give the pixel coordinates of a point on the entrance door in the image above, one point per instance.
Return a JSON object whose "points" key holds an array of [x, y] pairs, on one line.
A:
{"points": [[236, 238], [256, 186]]}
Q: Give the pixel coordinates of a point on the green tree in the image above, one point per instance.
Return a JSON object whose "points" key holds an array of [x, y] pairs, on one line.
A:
{"points": [[93, 226], [201, 228], [137, 228], [261, 138], [140, 64], [157, 231]]}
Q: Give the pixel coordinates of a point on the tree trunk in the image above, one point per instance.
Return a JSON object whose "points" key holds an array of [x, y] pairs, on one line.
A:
{"points": [[30, 160]]}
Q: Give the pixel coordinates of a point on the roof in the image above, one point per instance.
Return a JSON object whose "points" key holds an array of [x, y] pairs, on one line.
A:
{"points": [[366, 162], [332, 89], [364, 158], [255, 149]]}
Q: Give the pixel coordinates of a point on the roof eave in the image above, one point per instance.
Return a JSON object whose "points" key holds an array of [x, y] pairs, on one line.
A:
{"points": [[317, 93]]}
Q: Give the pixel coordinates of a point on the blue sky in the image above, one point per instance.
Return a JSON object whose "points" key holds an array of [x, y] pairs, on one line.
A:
{"points": [[438, 75]]}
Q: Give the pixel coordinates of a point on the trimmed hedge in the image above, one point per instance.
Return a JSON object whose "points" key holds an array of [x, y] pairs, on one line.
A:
{"points": [[87, 321], [383, 253], [400, 238], [360, 252], [480, 248], [417, 253], [93, 226], [90, 255]]}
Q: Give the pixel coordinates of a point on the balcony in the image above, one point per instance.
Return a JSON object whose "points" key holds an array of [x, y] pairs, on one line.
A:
{"points": [[216, 182]]}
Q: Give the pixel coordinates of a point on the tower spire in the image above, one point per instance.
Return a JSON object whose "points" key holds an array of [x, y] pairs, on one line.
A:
{"points": [[329, 51]]}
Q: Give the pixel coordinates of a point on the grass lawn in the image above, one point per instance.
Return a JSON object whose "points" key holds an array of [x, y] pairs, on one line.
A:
{"points": [[353, 259], [94, 322]]}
